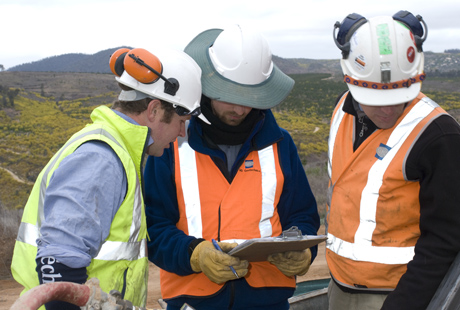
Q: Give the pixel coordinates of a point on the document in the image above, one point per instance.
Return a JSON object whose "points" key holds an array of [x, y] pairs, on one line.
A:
{"points": [[258, 249]]}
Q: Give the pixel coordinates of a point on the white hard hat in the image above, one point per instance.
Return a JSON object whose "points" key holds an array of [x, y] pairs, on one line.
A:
{"points": [[382, 57], [238, 68], [242, 56], [169, 75]]}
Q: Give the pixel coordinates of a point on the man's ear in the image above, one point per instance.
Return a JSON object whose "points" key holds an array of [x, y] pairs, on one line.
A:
{"points": [[153, 108]]}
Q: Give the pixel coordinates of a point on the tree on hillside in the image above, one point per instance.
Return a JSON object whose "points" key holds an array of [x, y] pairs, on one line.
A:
{"points": [[2, 68], [8, 96], [452, 51], [11, 95]]}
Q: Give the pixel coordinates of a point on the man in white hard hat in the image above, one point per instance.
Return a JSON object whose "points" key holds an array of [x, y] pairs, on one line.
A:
{"points": [[85, 216], [393, 212], [237, 178]]}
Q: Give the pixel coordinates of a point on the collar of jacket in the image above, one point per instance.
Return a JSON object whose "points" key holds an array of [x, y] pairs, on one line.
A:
{"points": [[265, 132]]}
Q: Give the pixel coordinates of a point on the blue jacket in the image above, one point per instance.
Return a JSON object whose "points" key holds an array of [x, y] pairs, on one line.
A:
{"points": [[169, 246]]}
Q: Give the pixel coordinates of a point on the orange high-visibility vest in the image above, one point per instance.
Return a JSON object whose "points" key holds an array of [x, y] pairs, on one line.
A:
{"points": [[244, 209], [374, 211]]}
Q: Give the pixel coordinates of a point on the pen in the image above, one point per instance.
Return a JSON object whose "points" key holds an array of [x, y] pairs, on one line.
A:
{"points": [[214, 242]]}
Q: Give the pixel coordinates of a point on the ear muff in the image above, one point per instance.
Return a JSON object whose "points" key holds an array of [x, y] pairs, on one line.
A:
{"points": [[346, 29], [415, 25], [353, 21], [116, 61], [139, 63], [143, 66]]}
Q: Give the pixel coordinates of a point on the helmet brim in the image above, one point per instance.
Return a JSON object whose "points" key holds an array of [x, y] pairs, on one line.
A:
{"points": [[265, 95], [384, 97]]}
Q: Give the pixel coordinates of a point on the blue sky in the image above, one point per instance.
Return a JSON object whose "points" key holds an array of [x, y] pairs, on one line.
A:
{"points": [[36, 29]]}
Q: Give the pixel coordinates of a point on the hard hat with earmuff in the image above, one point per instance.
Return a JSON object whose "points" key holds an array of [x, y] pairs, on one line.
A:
{"points": [[158, 75], [382, 57], [141, 65], [353, 21]]}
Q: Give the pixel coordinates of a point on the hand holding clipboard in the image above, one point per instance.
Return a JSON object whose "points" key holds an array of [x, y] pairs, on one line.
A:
{"points": [[258, 249]]}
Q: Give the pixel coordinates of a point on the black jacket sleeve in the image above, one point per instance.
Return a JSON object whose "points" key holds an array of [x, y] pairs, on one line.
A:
{"points": [[435, 162]]}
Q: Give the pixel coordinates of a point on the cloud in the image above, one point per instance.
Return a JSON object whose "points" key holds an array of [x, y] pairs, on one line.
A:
{"points": [[33, 30]]}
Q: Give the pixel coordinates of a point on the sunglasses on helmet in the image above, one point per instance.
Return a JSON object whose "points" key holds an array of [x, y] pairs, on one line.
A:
{"points": [[353, 21], [181, 111]]}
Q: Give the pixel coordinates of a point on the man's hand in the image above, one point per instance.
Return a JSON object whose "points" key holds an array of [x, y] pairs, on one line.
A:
{"points": [[215, 264], [292, 263]]}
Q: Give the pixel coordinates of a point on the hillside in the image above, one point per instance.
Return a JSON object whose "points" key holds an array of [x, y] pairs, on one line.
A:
{"points": [[435, 63]]}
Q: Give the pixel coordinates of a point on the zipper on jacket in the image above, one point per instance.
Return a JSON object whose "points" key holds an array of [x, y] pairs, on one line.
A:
{"points": [[218, 225], [123, 290], [232, 294]]}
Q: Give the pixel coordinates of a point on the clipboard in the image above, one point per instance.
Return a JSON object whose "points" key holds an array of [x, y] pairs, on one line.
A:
{"points": [[258, 249]]}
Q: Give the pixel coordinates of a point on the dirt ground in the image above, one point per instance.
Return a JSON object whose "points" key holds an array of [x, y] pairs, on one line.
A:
{"points": [[9, 289]]}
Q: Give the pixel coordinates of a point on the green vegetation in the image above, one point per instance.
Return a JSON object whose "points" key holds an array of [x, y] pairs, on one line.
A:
{"points": [[36, 127], [29, 135], [307, 110]]}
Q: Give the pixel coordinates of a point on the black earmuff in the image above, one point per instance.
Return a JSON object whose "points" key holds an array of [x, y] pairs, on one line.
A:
{"points": [[346, 29], [119, 66], [415, 25]]}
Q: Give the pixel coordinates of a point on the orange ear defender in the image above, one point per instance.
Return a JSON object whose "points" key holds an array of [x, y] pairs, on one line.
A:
{"points": [[116, 61], [143, 65]]}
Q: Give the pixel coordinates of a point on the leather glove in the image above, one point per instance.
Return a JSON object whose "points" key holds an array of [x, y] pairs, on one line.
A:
{"points": [[215, 264], [292, 263]]}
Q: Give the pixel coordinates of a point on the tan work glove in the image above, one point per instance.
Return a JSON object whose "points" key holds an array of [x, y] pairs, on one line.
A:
{"points": [[215, 264], [292, 263]]}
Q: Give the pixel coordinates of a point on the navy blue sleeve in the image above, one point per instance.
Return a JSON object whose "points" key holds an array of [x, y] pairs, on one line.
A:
{"points": [[297, 205], [50, 270], [162, 215]]}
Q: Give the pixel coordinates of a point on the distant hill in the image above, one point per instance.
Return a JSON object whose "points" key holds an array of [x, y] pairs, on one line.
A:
{"points": [[95, 63], [438, 63]]}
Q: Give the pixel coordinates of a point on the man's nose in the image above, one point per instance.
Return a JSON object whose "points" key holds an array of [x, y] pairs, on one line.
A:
{"points": [[388, 110], [239, 109]]}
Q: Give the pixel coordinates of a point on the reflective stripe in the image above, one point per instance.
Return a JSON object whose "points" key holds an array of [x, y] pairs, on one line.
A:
{"points": [[190, 189], [333, 134], [365, 253], [137, 213], [267, 165], [110, 250], [116, 250], [28, 233], [362, 249]]}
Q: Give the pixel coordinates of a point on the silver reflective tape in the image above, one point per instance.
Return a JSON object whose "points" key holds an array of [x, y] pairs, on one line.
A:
{"points": [[190, 189], [28, 233], [269, 180], [368, 253], [116, 250], [137, 213]]}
